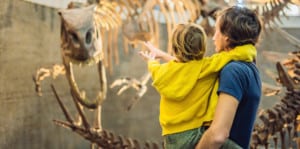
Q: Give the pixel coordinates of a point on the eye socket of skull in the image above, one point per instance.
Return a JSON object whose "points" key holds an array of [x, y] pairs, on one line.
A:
{"points": [[97, 34], [88, 36], [75, 39]]}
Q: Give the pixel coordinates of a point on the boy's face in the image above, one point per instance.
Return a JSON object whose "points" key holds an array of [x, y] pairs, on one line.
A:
{"points": [[220, 40]]}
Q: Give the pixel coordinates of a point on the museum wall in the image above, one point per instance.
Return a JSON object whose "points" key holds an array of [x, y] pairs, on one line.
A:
{"points": [[30, 39]]}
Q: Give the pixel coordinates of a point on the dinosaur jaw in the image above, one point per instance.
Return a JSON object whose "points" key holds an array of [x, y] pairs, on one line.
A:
{"points": [[80, 95]]}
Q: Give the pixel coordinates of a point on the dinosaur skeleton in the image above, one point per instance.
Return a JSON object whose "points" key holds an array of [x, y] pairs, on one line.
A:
{"points": [[272, 10], [98, 137], [93, 40], [81, 45], [282, 117]]}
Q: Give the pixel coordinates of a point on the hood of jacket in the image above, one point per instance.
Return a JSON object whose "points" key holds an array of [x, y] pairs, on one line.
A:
{"points": [[175, 80]]}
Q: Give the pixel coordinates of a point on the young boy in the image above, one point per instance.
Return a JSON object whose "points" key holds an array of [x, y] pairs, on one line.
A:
{"points": [[188, 84]]}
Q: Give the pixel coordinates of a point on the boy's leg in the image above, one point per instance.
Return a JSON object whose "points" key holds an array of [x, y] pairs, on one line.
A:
{"points": [[183, 140], [229, 144], [189, 139]]}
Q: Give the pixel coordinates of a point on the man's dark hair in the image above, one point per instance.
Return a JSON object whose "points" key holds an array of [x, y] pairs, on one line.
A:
{"points": [[241, 25]]}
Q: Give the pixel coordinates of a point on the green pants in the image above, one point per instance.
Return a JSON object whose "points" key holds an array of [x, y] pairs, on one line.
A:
{"points": [[189, 139]]}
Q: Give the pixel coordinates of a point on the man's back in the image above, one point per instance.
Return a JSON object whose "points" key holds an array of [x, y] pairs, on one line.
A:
{"points": [[241, 80]]}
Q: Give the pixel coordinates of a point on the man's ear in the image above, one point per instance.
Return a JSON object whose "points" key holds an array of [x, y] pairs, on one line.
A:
{"points": [[226, 42], [226, 39]]}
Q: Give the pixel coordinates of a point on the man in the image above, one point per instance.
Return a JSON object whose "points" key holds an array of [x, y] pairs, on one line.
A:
{"points": [[240, 85]]}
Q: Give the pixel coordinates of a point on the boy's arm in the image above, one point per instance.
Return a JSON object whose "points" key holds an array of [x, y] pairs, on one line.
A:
{"points": [[217, 61], [153, 65], [159, 53]]}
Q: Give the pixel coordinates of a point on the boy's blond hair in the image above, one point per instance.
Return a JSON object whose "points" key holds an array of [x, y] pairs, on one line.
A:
{"points": [[188, 42]]}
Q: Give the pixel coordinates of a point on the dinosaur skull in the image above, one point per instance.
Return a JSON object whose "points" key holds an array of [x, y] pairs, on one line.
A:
{"points": [[79, 40], [81, 44]]}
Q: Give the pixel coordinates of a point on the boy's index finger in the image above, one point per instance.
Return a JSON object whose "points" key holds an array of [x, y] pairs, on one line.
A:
{"points": [[146, 44]]}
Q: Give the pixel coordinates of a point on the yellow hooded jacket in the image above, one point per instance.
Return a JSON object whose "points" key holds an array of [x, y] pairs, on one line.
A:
{"points": [[189, 90]]}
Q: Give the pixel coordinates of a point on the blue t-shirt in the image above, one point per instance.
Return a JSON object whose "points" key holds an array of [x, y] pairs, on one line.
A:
{"points": [[241, 80]]}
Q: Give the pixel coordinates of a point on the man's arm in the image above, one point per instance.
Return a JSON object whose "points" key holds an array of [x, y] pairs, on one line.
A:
{"points": [[218, 132]]}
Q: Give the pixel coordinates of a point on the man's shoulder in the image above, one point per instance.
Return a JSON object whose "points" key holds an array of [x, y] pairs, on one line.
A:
{"points": [[235, 65], [240, 68], [239, 64]]}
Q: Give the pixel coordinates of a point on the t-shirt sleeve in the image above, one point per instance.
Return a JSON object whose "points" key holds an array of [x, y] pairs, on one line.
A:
{"points": [[231, 81]]}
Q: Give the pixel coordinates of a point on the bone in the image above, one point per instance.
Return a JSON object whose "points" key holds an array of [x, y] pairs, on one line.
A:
{"points": [[65, 111]]}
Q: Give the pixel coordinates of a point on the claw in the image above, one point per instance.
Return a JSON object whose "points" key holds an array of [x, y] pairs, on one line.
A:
{"points": [[43, 73], [127, 82]]}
